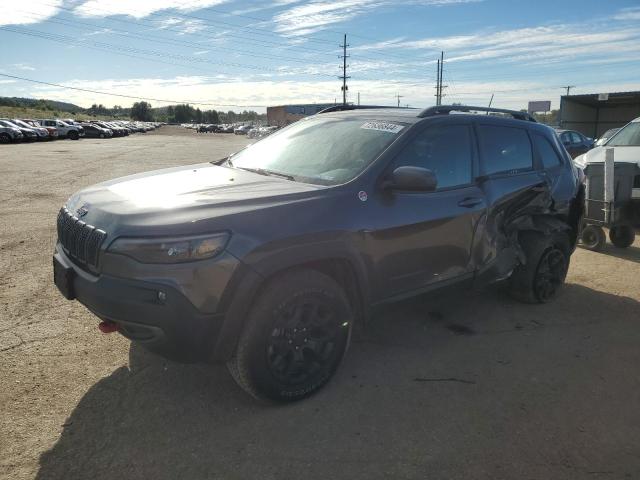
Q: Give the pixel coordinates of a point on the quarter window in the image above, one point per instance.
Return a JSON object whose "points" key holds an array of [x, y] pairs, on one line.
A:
{"points": [[445, 150], [547, 153], [504, 149]]}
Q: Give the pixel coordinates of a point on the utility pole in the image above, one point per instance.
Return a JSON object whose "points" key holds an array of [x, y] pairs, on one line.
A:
{"points": [[439, 85], [569, 87], [398, 96], [358, 98], [344, 76], [441, 71]]}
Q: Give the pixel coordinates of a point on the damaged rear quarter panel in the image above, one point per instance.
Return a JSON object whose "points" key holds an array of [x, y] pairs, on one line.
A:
{"points": [[537, 200]]}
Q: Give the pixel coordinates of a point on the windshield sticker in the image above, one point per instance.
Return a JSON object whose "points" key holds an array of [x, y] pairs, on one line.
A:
{"points": [[383, 127]]}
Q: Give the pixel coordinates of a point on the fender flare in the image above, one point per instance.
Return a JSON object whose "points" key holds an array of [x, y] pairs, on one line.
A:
{"points": [[260, 267]]}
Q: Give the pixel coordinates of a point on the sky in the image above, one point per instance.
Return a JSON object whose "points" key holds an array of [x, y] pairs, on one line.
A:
{"points": [[237, 55]]}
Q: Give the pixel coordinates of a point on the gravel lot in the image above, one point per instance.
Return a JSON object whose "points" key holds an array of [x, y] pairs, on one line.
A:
{"points": [[460, 386]]}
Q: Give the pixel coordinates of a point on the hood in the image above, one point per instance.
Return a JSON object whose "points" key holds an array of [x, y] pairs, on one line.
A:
{"points": [[188, 195], [621, 154]]}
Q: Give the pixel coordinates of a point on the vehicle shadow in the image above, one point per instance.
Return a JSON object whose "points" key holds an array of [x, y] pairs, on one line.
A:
{"points": [[631, 253], [441, 384]]}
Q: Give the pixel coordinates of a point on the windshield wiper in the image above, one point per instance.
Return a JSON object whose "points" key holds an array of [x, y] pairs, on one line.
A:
{"points": [[269, 173]]}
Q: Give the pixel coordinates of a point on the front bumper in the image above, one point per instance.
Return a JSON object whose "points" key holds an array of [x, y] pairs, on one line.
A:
{"points": [[157, 316]]}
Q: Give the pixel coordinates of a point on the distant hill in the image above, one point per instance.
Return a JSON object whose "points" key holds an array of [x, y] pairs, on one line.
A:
{"points": [[40, 104]]}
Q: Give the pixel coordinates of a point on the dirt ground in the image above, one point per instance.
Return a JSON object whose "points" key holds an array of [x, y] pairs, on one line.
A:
{"points": [[472, 386]]}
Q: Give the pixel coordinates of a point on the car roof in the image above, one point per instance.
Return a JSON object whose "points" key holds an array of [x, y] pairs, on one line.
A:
{"points": [[406, 115], [415, 115]]}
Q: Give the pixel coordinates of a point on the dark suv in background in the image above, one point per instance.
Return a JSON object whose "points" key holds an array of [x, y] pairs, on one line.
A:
{"points": [[266, 259], [575, 142]]}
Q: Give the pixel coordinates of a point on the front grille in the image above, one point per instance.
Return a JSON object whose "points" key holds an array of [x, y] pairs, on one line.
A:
{"points": [[81, 241]]}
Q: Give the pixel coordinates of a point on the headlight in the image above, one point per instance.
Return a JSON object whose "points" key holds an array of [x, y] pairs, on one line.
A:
{"points": [[171, 249]]}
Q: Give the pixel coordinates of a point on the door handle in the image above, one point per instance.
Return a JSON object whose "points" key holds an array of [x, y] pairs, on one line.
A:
{"points": [[469, 202]]}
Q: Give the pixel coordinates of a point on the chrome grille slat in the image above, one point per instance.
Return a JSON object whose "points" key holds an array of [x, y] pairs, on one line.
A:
{"points": [[81, 241]]}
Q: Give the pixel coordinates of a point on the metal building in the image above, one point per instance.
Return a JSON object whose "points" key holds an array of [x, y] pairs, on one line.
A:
{"points": [[595, 113], [283, 115]]}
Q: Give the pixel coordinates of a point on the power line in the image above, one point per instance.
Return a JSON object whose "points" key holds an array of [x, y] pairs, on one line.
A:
{"points": [[195, 102], [109, 47], [159, 39], [242, 38]]}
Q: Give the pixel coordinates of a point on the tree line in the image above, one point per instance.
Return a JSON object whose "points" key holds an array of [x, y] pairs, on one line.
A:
{"points": [[186, 113]]}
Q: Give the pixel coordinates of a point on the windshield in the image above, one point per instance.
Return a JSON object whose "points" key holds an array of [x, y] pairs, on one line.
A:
{"points": [[324, 151], [21, 123], [7, 123], [628, 136]]}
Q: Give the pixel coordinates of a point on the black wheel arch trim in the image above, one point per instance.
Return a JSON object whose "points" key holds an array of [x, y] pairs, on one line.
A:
{"points": [[251, 277]]}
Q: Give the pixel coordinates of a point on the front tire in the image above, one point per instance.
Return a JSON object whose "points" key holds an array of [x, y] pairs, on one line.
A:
{"points": [[5, 138], [73, 135], [295, 337], [547, 263], [622, 236]]}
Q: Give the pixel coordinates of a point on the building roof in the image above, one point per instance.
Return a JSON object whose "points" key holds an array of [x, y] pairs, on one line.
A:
{"points": [[592, 99]]}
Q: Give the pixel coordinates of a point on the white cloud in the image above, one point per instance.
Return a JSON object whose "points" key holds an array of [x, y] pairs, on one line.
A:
{"points": [[632, 13], [39, 10], [311, 17], [23, 66], [544, 44], [139, 8], [221, 92]]}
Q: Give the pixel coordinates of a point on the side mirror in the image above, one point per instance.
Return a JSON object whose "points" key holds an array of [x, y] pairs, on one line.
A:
{"points": [[411, 179]]}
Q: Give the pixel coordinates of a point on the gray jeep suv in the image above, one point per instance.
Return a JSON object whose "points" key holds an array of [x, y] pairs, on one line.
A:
{"points": [[266, 259]]}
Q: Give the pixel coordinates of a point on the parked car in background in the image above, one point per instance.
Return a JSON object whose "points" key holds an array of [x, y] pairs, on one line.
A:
{"points": [[117, 130], [419, 200], [261, 132], [52, 131], [606, 136], [10, 134], [41, 132], [28, 133], [74, 132], [91, 130], [575, 142], [242, 129]]}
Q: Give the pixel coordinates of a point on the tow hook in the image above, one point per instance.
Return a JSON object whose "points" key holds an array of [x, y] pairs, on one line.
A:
{"points": [[107, 326]]}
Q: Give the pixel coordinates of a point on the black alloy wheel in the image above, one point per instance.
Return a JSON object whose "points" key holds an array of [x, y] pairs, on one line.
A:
{"points": [[550, 274], [304, 341]]}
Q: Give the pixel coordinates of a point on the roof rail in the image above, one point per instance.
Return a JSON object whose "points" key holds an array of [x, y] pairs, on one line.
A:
{"points": [[341, 108], [446, 109]]}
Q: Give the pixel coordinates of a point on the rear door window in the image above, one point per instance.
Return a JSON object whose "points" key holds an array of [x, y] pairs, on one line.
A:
{"points": [[504, 149], [445, 150], [546, 152]]}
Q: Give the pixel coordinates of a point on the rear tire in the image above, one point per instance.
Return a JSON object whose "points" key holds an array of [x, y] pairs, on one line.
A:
{"points": [[593, 238], [295, 337], [73, 135], [622, 236], [547, 263]]}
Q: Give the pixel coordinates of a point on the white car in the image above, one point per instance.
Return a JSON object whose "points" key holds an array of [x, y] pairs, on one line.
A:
{"points": [[625, 143], [73, 132]]}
